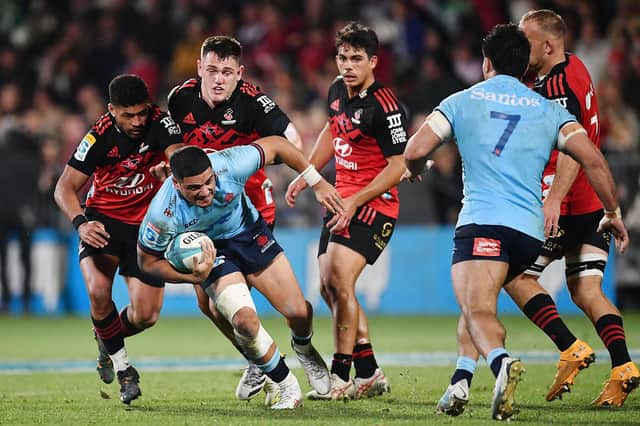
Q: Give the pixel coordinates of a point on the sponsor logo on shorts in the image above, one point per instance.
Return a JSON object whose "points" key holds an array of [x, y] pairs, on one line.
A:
{"points": [[486, 247]]}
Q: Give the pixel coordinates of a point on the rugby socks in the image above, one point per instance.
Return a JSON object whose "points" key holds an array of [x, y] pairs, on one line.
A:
{"points": [[127, 327], [364, 361], [109, 331], [275, 368], [494, 359], [465, 367], [341, 365], [542, 311], [301, 344], [610, 330]]}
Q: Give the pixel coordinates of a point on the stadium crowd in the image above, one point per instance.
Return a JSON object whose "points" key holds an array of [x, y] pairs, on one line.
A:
{"points": [[56, 59]]}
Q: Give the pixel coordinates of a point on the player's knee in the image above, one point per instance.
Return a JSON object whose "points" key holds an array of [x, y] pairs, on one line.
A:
{"points": [[255, 347], [236, 305], [99, 295], [245, 322]]}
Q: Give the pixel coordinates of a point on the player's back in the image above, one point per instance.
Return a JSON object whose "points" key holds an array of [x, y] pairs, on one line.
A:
{"points": [[505, 134]]}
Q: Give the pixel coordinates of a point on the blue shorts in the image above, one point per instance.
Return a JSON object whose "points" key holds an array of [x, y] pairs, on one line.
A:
{"points": [[494, 242], [248, 252]]}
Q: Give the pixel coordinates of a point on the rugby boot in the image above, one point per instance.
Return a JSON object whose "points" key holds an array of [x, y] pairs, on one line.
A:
{"points": [[314, 367], [340, 390], [454, 399], [129, 389], [104, 365], [272, 392], [503, 402], [251, 382], [576, 357], [289, 395], [372, 386], [624, 379]]}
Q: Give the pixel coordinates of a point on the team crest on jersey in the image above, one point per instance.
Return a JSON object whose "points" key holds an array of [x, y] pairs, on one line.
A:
{"points": [[228, 117], [356, 116], [84, 147], [228, 197], [131, 163]]}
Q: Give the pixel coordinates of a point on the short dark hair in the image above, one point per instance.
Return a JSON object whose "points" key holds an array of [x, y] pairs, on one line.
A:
{"points": [[128, 90], [359, 37], [188, 161], [223, 46], [508, 49]]}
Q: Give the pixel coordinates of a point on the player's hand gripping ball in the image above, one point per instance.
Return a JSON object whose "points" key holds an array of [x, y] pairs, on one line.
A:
{"points": [[185, 250]]}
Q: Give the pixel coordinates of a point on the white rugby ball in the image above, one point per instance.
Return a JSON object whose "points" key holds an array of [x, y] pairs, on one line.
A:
{"points": [[183, 249]]}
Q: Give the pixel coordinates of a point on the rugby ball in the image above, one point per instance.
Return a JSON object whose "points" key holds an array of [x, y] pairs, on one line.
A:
{"points": [[183, 249]]}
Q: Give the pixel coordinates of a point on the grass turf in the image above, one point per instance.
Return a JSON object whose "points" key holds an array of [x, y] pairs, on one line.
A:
{"points": [[206, 397]]}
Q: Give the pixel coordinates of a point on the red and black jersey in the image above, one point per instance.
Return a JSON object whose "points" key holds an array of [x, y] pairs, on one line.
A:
{"points": [[570, 85], [122, 186], [366, 129], [247, 115]]}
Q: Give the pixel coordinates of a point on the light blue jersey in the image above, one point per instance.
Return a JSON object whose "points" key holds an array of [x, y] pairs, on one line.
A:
{"points": [[230, 213], [505, 133]]}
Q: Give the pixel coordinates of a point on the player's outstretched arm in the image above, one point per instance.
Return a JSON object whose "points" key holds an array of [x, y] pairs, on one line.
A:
{"points": [[320, 155], [276, 146], [435, 130], [573, 140], [66, 196]]}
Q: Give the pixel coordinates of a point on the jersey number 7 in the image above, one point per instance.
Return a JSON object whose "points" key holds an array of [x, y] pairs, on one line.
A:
{"points": [[511, 125]]}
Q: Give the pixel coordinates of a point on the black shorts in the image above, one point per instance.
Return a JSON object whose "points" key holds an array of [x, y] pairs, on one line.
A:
{"points": [[574, 232], [248, 252], [123, 244], [494, 242], [368, 234]]}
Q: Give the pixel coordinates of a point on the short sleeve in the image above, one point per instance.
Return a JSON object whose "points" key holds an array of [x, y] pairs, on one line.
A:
{"points": [[89, 154], [238, 162], [169, 132], [158, 227], [390, 126]]}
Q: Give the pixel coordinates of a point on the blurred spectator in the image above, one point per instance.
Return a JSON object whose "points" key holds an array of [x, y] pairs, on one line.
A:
{"points": [[592, 49], [18, 178], [187, 51]]}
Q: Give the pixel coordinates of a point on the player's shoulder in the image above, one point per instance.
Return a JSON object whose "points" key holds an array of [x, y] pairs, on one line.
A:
{"points": [[163, 204], [184, 91], [384, 98], [248, 89], [156, 113], [102, 126]]}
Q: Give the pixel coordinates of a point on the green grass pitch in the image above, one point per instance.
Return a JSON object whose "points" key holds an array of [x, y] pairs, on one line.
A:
{"points": [[173, 396]]}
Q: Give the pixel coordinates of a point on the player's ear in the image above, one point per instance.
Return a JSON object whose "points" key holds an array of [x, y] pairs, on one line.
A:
{"points": [[240, 71], [199, 66], [110, 108], [373, 61]]}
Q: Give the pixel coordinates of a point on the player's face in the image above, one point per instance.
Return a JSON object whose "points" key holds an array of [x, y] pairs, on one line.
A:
{"points": [[198, 190], [219, 77], [356, 67], [131, 120], [538, 40]]}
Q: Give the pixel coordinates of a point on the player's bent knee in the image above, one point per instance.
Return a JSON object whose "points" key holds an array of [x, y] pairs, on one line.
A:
{"points": [[586, 265], [233, 299], [245, 322], [255, 347]]}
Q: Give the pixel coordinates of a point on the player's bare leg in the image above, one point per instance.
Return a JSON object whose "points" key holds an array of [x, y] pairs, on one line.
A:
{"points": [[144, 310], [233, 300], [586, 292], [539, 307], [456, 397], [477, 284], [98, 272], [278, 284], [252, 380]]}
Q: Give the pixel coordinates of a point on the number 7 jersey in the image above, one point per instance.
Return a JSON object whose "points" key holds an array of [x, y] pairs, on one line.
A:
{"points": [[505, 134]]}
